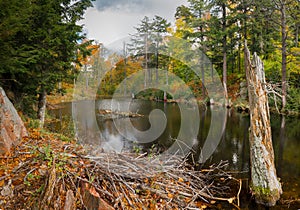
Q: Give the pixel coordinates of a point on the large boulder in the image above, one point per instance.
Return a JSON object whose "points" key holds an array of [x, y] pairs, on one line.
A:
{"points": [[12, 128]]}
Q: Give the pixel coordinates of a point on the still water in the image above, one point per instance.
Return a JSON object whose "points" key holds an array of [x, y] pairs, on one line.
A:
{"points": [[232, 147]]}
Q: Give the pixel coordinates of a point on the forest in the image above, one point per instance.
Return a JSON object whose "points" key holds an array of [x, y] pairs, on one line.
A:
{"points": [[46, 59], [219, 30]]}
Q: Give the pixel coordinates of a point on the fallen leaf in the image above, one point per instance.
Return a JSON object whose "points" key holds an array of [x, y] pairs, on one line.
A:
{"points": [[170, 195], [1, 182]]}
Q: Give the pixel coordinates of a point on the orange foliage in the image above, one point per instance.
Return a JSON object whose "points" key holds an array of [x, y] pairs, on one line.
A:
{"points": [[95, 49]]}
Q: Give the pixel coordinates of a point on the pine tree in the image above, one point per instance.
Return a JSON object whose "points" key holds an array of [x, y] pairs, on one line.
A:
{"points": [[147, 41], [47, 46]]}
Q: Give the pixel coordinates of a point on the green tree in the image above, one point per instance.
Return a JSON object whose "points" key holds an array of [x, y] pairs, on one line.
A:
{"points": [[14, 17], [147, 41], [206, 18], [223, 19], [48, 47]]}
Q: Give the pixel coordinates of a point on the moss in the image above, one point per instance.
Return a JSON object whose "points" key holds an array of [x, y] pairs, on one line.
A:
{"points": [[265, 196], [262, 190]]}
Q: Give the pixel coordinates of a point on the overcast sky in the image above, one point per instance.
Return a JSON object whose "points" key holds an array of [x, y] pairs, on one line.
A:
{"points": [[110, 20]]}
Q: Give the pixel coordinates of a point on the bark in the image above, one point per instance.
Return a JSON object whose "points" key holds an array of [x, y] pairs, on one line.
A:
{"points": [[42, 107], [264, 182], [224, 54], [284, 52], [49, 188]]}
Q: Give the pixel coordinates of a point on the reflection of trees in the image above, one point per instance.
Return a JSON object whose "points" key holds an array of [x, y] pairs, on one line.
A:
{"points": [[85, 122], [245, 144], [234, 145], [287, 144], [281, 146]]}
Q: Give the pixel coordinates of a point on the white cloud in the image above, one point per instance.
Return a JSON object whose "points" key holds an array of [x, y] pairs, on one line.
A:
{"points": [[111, 20]]}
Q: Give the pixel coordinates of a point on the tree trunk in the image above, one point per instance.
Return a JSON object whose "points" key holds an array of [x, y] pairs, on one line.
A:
{"points": [[224, 54], [265, 185], [157, 60], [146, 61], [283, 53], [42, 107], [239, 56], [203, 77], [125, 68]]}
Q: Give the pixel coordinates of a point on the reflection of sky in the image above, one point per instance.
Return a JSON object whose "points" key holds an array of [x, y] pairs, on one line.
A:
{"points": [[110, 20], [113, 144], [111, 135]]}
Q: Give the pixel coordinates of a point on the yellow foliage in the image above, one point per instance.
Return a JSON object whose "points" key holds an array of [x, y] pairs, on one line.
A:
{"points": [[181, 27]]}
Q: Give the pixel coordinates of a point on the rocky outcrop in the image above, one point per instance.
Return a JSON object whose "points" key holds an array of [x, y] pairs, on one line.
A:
{"points": [[12, 128]]}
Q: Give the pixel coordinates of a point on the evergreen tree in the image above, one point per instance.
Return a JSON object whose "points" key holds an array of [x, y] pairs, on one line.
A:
{"points": [[14, 19], [47, 47], [147, 41]]}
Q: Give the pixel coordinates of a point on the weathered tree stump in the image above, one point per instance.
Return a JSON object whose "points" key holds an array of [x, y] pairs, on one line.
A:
{"points": [[264, 182]]}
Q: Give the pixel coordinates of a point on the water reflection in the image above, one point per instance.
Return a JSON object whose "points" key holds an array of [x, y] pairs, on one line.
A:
{"points": [[233, 147]]}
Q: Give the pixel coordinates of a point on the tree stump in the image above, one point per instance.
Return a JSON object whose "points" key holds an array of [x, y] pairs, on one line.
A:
{"points": [[264, 182]]}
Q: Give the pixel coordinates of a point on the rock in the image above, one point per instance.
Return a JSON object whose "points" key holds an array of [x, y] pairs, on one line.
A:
{"points": [[12, 128], [92, 199]]}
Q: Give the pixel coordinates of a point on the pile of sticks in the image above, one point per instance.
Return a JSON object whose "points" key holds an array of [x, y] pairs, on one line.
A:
{"points": [[45, 173], [130, 181]]}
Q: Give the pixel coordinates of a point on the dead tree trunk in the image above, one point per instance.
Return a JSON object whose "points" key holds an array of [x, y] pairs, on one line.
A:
{"points": [[264, 182]]}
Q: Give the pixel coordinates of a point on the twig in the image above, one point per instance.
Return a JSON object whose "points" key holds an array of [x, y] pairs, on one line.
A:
{"points": [[238, 194], [29, 172]]}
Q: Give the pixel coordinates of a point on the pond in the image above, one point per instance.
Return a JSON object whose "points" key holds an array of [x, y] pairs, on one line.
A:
{"points": [[100, 130]]}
